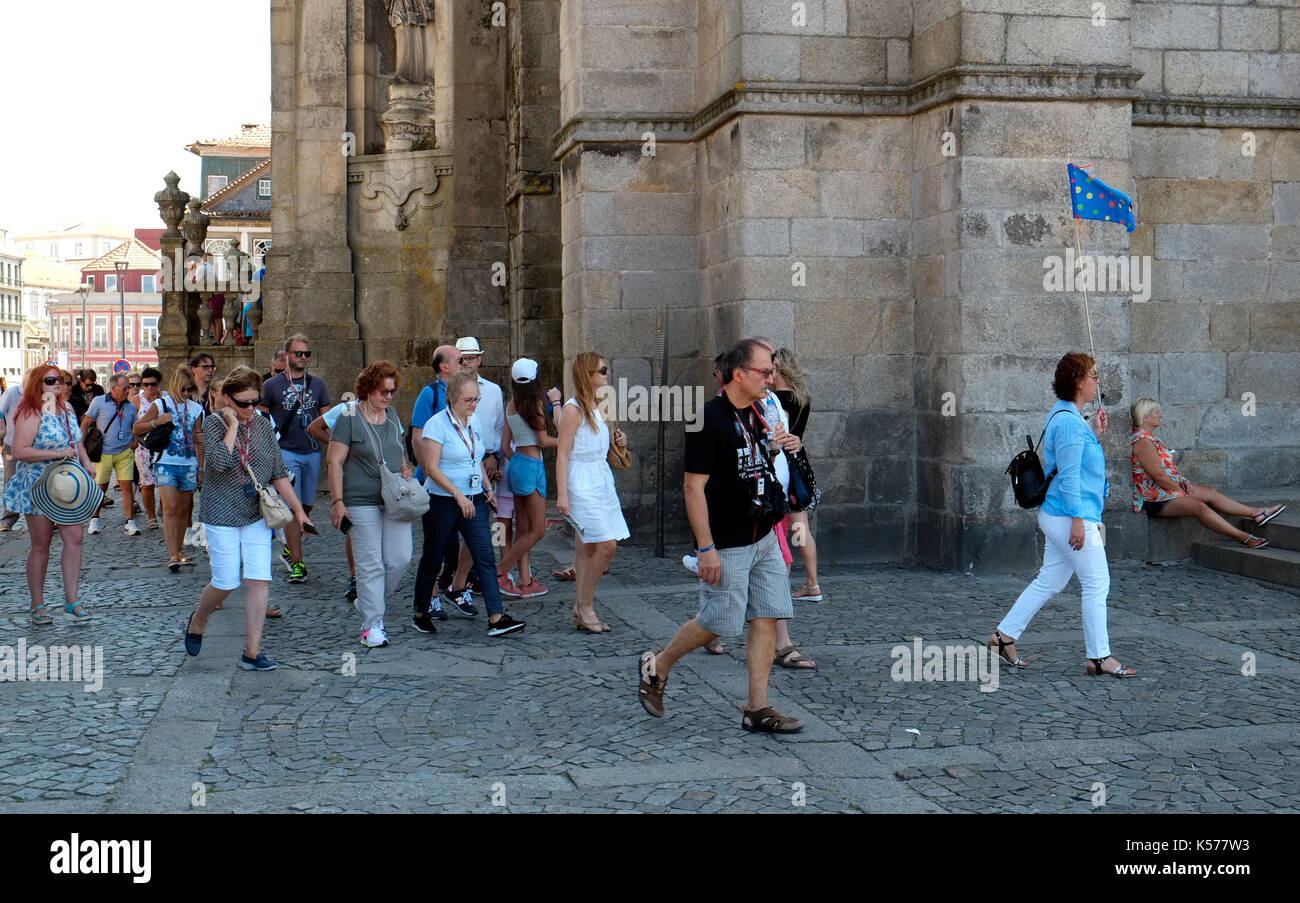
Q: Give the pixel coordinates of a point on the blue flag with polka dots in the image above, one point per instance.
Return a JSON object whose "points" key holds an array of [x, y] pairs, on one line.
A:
{"points": [[1094, 199]]}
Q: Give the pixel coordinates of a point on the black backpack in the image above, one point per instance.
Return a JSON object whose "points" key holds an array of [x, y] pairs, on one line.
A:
{"points": [[159, 437], [1027, 480]]}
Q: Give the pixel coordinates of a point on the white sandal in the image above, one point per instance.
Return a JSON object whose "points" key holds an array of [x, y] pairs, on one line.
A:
{"points": [[807, 593]]}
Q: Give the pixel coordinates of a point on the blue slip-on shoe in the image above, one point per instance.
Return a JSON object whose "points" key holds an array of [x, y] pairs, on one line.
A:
{"points": [[261, 663], [193, 641]]}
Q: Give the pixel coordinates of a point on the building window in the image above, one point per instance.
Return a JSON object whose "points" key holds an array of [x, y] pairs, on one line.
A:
{"points": [[216, 183], [78, 332], [76, 251], [110, 283], [149, 284], [148, 333], [263, 188], [54, 249], [100, 336], [90, 282], [105, 245]]}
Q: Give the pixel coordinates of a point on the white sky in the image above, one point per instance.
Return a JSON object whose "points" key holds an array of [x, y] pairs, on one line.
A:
{"points": [[100, 98]]}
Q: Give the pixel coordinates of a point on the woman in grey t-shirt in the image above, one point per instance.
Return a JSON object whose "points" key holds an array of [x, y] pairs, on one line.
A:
{"points": [[367, 437]]}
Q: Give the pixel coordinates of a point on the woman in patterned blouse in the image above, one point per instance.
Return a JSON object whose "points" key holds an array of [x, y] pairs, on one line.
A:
{"points": [[1160, 490]]}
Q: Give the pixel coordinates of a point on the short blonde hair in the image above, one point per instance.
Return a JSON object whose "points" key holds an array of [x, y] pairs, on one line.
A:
{"points": [[1140, 409]]}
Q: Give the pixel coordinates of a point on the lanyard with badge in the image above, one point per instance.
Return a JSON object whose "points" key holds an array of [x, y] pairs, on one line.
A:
{"points": [[754, 452], [475, 476], [67, 426]]}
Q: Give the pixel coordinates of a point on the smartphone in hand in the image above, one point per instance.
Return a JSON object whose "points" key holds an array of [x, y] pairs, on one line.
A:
{"points": [[345, 525], [309, 527]]}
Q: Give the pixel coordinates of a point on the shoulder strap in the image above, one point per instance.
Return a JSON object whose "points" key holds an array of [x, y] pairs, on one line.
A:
{"points": [[1044, 432]]}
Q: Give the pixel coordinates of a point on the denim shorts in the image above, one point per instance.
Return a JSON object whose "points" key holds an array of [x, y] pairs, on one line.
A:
{"points": [[304, 470], [184, 477], [527, 475]]}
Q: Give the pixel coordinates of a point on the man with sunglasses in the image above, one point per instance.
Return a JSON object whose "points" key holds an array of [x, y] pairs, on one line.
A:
{"points": [[115, 416], [294, 399], [85, 392]]}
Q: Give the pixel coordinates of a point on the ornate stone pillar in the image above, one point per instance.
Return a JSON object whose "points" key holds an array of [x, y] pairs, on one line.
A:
{"points": [[173, 343]]}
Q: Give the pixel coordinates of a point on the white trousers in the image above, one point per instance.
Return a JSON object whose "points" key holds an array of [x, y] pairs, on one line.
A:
{"points": [[382, 549], [1059, 563]]}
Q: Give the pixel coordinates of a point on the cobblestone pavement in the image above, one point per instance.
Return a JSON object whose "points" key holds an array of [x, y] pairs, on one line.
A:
{"points": [[548, 720]]}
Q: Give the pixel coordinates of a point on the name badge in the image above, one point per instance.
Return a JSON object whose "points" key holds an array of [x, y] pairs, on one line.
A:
{"points": [[761, 484], [475, 481]]}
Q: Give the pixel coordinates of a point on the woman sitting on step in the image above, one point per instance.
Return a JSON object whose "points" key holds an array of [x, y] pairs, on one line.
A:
{"points": [[1160, 490]]}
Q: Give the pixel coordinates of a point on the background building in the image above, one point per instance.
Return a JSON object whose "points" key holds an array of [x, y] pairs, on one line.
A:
{"points": [[13, 358], [101, 345], [235, 176], [76, 245]]}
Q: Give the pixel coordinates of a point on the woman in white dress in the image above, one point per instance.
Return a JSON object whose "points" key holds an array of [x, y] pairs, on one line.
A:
{"points": [[585, 486]]}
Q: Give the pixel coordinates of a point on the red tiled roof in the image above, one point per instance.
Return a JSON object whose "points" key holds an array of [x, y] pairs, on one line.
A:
{"points": [[139, 255], [252, 134]]}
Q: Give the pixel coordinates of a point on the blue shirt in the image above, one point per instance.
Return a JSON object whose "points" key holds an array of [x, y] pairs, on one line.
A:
{"points": [[1070, 446], [431, 400], [462, 453], [118, 436]]}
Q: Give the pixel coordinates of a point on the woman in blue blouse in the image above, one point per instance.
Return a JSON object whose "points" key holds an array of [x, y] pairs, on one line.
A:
{"points": [[1070, 519]]}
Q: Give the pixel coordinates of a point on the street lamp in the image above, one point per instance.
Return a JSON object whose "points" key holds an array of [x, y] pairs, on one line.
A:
{"points": [[122, 266], [85, 333]]}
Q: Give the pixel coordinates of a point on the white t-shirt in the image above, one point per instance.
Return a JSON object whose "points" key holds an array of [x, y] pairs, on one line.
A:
{"points": [[491, 413]]}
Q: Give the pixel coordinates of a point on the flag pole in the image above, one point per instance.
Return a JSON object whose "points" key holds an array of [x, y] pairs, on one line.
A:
{"points": [[1078, 248]]}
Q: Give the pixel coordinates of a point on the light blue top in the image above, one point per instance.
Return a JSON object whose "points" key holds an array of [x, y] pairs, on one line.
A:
{"points": [[1071, 447], [456, 462], [115, 427], [431, 400]]}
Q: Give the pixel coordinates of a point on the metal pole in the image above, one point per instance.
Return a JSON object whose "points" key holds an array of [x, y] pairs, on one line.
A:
{"points": [[121, 295], [85, 333]]}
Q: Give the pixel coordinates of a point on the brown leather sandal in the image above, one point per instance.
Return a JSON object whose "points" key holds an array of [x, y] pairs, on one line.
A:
{"points": [[790, 657], [769, 721]]}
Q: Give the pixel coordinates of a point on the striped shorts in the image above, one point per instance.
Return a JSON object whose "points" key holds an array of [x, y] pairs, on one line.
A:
{"points": [[753, 585]]}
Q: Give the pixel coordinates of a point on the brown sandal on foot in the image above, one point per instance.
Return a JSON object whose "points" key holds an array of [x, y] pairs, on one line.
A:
{"points": [[769, 721], [565, 574], [715, 648], [790, 657]]}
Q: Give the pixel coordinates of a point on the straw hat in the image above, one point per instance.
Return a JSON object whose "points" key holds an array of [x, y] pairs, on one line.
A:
{"points": [[66, 494]]}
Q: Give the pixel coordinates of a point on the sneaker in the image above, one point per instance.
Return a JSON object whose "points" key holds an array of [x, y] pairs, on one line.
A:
{"points": [[131, 528], [692, 564], [261, 663], [436, 610], [504, 625], [94, 526], [286, 559], [375, 637], [351, 594], [532, 589], [298, 573], [423, 622], [463, 600], [508, 588]]}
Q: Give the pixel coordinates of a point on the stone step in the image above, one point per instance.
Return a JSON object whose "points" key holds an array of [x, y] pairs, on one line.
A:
{"points": [[1171, 539], [1274, 565], [1282, 531]]}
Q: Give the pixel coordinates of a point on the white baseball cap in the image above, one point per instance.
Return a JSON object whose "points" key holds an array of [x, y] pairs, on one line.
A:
{"points": [[469, 344], [524, 370]]}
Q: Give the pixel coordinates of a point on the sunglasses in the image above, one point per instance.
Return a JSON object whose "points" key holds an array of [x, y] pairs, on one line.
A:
{"points": [[245, 404], [135, 385], [206, 367], [603, 371], [53, 380], [470, 357], [386, 392], [148, 383], [301, 353], [187, 390]]}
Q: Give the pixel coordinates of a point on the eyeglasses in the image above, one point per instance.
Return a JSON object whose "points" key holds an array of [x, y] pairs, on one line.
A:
{"points": [[473, 400], [245, 404], [206, 367], [766, 374], [470, 357], [148, 384], [301, 353], [53, 380], [603, 371]]}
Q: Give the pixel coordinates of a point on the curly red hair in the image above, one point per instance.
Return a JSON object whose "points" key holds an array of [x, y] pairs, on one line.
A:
{"points": [[372, 378], [34, 390]]}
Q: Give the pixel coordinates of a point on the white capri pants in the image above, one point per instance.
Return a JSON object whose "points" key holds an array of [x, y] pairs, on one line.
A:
{"points": [[229, 547], [382, 549], [1059, 563]]}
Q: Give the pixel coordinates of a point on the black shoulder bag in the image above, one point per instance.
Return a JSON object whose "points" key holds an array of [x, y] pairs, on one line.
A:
{"points": [[1027, 480], [159, 436], [94, 438]]}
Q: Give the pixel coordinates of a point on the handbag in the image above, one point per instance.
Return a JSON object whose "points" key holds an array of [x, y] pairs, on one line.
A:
{"points": [[94, 438], [804, 494], [1027, 480], [403, 497], [275, 511], [619, 458], [159, 437]]}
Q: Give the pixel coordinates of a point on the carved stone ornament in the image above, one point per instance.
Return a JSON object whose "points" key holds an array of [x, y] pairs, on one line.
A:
{"points": [[195, 227], [171, 203], [401, 197], [408, 122]]}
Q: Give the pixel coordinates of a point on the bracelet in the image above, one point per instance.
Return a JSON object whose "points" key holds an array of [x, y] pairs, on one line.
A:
{"points": [[709, 548], [336, 502]]}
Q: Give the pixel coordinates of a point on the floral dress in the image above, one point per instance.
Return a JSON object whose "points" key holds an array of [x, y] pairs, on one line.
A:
{"points": [[56, 431], [1146, 489]]}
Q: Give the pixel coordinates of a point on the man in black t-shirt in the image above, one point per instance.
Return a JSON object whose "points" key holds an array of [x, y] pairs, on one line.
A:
{"points": [[86, 391], [733, 501]]}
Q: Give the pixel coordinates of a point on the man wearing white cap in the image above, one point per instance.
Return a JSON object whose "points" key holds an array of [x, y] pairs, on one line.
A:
{"points": [[491, 414]]}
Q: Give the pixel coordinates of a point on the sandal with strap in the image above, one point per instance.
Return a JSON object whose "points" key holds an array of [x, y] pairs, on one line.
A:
{"points": [[565, 574], [1095, 668], [807, 593], [1002, 642], [1278, 509], [72, 610], [769, 721], [790, 657], [273, 611], [41, 615], [715, 648], [1254, 542], [174, 565], [650, 689]]}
